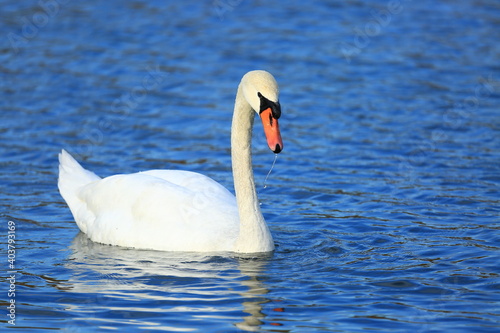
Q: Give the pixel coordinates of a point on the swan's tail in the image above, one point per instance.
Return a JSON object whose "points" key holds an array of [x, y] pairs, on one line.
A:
{"points": [[72, 177]]}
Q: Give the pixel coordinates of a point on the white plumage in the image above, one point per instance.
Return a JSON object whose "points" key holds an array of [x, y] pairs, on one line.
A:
{"points": [[178, 210]]}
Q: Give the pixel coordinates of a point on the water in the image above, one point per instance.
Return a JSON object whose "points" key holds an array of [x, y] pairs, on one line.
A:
{"points": [[384, 204], [270, 170]]}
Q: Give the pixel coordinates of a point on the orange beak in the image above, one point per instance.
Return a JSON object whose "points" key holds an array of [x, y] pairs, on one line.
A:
{"points": [[272, 130]]}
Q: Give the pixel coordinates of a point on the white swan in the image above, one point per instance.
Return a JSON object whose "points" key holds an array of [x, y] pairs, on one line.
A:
{"points": [[175, 210]]}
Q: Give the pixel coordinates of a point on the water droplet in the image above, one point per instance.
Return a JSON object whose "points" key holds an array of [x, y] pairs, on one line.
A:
{"points": [[272, 166]]}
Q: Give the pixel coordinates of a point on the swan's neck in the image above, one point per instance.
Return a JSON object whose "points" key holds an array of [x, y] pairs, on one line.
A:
{"points": [[254, 234]]}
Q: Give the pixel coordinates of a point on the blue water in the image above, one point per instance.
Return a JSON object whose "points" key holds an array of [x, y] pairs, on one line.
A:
{"points": [[384, 204]]}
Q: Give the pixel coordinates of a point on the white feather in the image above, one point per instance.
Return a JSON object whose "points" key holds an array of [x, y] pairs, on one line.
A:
{"points": [[176, 210]]}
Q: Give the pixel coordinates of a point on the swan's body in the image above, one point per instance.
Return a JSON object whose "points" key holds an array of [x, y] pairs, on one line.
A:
{"points": [[179, 210]]}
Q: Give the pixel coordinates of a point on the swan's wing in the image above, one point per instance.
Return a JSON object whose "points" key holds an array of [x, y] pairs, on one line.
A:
{"points": [[164, 210], [194, 182]]}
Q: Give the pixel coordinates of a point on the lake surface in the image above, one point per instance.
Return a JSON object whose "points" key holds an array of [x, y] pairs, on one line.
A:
{"points": [[384, 204]]}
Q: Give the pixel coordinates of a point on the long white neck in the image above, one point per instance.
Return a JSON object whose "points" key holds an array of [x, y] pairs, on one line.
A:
{"points": [[254, 234]]}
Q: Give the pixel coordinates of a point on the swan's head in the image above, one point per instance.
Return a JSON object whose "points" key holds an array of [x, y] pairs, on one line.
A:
{"points": [[261, 92]]}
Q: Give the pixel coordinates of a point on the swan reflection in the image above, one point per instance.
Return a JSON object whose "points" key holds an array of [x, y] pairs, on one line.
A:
{"points": [[196, 285]]}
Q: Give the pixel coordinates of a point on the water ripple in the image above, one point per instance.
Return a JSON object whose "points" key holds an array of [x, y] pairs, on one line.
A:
{"points": [[384, 204]]}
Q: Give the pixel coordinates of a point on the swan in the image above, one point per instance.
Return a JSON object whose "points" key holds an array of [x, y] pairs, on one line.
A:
{"points": [[174, 210]]}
